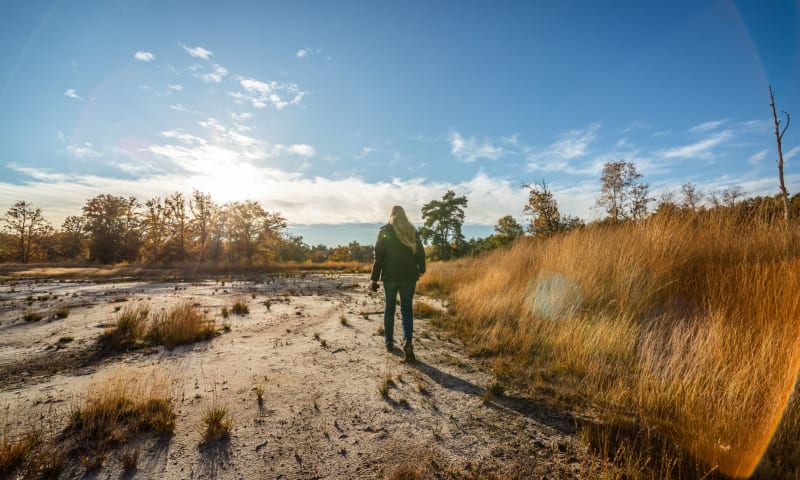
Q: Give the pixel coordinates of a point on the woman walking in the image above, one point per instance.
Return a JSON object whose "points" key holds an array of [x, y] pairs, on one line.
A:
{"points": [[399, 261]]}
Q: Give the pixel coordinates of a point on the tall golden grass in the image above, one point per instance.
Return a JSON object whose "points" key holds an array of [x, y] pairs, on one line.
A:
{"points": [[689, 323]]}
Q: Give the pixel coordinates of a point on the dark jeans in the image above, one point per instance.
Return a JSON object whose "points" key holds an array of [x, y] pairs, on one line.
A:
{"points": [[406, 290]]}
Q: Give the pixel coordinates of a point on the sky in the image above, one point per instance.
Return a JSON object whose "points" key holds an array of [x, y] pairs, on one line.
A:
{"points": [[332, 112]]}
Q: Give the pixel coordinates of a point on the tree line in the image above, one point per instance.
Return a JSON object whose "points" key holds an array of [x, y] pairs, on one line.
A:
{"points": [[177, 229], [162, 230]]}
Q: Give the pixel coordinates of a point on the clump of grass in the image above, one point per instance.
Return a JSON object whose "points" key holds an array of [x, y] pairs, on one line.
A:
{"points": [[494, 390], [225, 312], [181, 325], [380, 330], [343, 320], [240, 306], [14, 452], [217, 421], [316, 335], [258, 388], [61, 312], [31, 316], [128, 330]]}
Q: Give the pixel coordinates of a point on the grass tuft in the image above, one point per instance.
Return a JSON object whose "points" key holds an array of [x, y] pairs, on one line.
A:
{"points": [[181, 325], [217, 421], [240, 306]]}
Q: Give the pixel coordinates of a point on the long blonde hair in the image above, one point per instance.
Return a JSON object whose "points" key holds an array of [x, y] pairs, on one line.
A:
{"points": [[406, 232]]}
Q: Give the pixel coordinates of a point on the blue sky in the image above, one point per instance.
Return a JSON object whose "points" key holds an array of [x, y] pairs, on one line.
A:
{"points": [[332, 112]]}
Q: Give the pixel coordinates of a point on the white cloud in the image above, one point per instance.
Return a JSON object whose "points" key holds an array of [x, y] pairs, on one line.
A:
{"points": [[241, 117], [82, 151], [175, 87], [215, 76], [302, 150], [262, 94], [560, 155], [756, 158], [469, 150], [72, 93], [178, 107], [143, 56], [708, 126], [198, 52], [302, 53], [791, 153], [701, 149]]}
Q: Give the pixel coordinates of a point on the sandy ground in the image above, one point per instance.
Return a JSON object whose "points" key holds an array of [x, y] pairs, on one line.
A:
{"points": [[322, 414]]}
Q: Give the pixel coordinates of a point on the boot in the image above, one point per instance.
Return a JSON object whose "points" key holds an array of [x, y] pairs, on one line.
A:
{"points": [[408, 353]]}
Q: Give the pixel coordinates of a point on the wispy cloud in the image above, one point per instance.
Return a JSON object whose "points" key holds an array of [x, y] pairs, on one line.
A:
{"points": [[72, 93], [85, 150], [143, 56], [178, 107], [198, 52], [175, 87], [302, 53], [756, 158], [469, 149], [261, 94], [701, 149], [365, 151], [560, 155], [791, 153], [708, 126]]}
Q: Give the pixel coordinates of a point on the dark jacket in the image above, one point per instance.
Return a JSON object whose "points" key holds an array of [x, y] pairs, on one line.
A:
{"points": [[395, 262]]}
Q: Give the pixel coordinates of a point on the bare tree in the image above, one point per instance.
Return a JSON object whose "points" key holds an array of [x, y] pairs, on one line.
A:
{"points": [[779, 138], [26, 223], [691, 196]]}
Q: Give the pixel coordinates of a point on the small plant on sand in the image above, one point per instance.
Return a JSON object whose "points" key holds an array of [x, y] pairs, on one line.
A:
{"points": [[343, 320], [181, 325], [258, 388], [494, 390], [61, 312], [240, 306], [381, 331], [225, 312], [316, 335], [32, 316], [217, 421]]}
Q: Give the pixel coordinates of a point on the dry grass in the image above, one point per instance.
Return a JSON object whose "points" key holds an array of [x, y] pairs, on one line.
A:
{"points": [[689, 324], [129, 329], [217, 421], [180, 325], [113, 413], [240, 306]]}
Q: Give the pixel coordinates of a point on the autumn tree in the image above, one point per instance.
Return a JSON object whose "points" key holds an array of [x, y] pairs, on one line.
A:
{"points": [[113, 226], [71, 237], [26, 224], [203, 211], [154, 229], [177, 226], [443, 220], [507, 231], [622, 193], [545, 217]]}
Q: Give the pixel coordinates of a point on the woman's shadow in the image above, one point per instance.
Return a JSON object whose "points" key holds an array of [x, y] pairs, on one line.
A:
{"points": [[557, 419]]}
